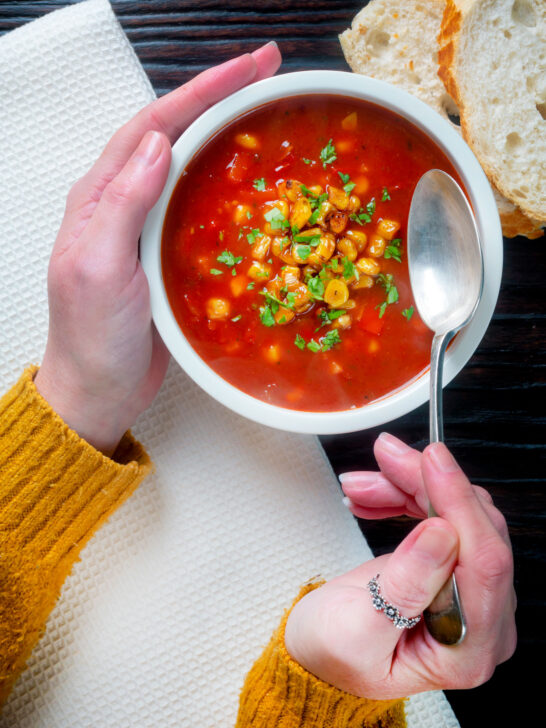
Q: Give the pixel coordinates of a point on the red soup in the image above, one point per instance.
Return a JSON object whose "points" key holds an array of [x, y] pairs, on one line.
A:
{"points": [[284, 252]]}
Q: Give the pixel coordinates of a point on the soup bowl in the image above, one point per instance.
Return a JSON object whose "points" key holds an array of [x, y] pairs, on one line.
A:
{"points": [[404, 397]]}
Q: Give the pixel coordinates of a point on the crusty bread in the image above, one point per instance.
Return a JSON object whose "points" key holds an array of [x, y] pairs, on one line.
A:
{"points": [[395, 41], [503, 120]]}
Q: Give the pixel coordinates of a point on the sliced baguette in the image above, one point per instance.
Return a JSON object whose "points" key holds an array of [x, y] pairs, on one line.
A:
{"points": [[503, 120], [396, 42]]}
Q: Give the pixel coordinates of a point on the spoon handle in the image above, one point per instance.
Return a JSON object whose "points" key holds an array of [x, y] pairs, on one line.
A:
{"points": [[444, 616]]}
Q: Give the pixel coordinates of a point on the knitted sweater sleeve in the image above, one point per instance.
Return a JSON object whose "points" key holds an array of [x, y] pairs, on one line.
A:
{"points": [[55, 492], [279, 693]]}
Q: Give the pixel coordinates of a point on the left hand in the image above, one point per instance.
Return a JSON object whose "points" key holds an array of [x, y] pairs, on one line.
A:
{"points": [[104, 361], [336, 634]]}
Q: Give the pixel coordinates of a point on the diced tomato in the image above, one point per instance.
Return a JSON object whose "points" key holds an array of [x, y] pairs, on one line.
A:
{"points": [[370, 321], [238, 168]]}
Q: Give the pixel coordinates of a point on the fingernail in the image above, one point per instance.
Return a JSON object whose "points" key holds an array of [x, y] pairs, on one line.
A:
{"points": [[363, 479], [150, 147], [436, 544], [441, 458], [393, 444], [266, 45]]}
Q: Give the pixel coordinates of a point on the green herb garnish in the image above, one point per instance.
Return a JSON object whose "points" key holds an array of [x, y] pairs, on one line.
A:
{"points": [[299, 341], [316, 287], [266, 316], [408, 312], [237, 318], [229, 259], [216, 272], [276, 219], [328, 154], [393, 250], [330, 340], [349, 269], [347, 185], [259, 184], [252, 235], [313, 346], [385, 196], [386, 280]]}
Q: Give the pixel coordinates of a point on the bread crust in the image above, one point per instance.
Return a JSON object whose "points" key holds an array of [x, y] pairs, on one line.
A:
{"points": [[405, 59], [456, 14]]}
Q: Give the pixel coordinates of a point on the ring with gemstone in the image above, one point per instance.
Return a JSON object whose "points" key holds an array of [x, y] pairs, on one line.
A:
{"points": [[389, 610]]}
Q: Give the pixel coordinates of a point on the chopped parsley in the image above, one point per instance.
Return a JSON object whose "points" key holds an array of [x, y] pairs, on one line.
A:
{"points": [[348, 186], [216, 272], [328, 316], [266, 316], [250, 286], [330, 340], [360, 217], [237, 318], [393, 250], [252, 235], [299, 341], [407, 313], [316, 287], [276, 219], [313, 346], [303, 251], [370, 207], [386, 280], [385, 196], [307, 161], [274, 302], [259, 184], [229, 259], [248, 215], [349, 269], [328, 154], [312, 240]]}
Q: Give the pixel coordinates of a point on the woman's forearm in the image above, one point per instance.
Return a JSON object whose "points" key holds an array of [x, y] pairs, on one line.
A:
{"points": [[55, 492]]}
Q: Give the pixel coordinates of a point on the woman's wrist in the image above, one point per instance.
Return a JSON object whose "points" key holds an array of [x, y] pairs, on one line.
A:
{"points": [[92, 418]]}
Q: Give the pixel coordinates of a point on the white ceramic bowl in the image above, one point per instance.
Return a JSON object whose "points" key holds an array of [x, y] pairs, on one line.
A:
{"points": [[440, 132]]}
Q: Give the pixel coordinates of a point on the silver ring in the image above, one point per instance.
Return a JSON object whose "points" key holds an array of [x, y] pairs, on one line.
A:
{"points": [[389, 610]]}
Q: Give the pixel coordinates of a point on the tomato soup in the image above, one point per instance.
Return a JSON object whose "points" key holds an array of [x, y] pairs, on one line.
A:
{"points": [[284, 252]]}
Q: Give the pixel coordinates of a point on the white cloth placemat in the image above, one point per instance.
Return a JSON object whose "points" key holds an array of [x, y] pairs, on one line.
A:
{"points": [[175, 597]]}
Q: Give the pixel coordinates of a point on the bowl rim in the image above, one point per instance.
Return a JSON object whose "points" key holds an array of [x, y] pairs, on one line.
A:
{"points": [[413, 393]]}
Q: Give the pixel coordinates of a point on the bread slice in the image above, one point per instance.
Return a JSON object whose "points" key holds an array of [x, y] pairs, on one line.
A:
{"points": [[395, 41], [503, 120]]}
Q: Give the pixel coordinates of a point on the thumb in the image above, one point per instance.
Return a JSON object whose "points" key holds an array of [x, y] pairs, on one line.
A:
{"points": [[417, 570]]}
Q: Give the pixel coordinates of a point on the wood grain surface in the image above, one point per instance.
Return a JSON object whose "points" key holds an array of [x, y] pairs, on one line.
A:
{"points": [[494, 410]]}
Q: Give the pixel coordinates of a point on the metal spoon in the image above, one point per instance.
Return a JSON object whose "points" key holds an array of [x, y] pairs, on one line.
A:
{"points": [[446, 273]]}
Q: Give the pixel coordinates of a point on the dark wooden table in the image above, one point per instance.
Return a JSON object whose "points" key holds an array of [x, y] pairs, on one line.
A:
{"points": [[494, 410]]}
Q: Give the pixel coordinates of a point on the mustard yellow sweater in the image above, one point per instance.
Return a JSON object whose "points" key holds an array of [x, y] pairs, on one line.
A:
{"points": [[55, 492]]}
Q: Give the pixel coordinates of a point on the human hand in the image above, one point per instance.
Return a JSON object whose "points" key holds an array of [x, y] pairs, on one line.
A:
{"points": [[334, 631], [104, 361]]}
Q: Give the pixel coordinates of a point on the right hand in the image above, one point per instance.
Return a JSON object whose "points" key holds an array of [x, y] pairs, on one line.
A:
{"points": [[334, 631]]}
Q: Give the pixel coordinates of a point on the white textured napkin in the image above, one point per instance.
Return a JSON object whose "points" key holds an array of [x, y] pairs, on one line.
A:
{"points": [[175, 597]]}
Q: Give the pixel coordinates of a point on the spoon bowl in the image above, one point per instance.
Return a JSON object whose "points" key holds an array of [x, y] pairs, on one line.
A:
{"points": [[446, 273], [444, 253]]}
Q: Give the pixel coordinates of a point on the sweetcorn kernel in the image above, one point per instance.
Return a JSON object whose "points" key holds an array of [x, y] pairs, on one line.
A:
{"points": [[247, 141], [387, 228], [217, 308]]}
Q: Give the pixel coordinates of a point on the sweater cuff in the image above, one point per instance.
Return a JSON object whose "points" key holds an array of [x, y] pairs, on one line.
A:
{"points": [[57, 490], [279, 686]]}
